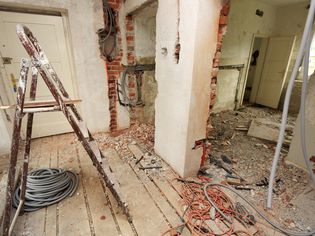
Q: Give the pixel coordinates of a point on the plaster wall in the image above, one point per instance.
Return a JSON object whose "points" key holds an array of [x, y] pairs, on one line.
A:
{"points": [[184, 88], [295, 153], [287, 25], [145, 40], [145, 32], [84, 18], [242, 26], [5, 140]]}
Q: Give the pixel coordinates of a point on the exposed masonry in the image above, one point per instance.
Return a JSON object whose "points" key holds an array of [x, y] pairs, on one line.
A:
{"points": [[115, 68], [130, 38], [113, 71], [223, 21]]}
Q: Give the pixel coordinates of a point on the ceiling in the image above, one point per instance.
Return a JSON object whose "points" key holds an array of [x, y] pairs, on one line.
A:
{"points": [[282, 2]]}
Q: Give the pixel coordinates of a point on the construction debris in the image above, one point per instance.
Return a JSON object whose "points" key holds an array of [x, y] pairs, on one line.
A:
{"points": [[251, 159], [265, 129]]}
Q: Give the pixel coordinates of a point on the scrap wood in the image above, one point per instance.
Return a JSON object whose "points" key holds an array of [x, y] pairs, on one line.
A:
{"points": [[44, 103]]}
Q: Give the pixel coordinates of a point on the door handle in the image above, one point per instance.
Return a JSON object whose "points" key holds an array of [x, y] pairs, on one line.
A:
{"points": [[6, 60]]}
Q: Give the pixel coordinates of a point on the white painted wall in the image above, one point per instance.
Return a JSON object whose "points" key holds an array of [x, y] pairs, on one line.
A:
{"points": [[5, 141], [243, 24], [84, 19], [288, 25], [295, 153], [183, 89], [145, 32]]}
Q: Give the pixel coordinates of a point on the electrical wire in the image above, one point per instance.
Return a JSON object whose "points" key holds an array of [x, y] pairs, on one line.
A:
{"points": [[45, 187], [302, 50], [109, 32], [277, 226]]}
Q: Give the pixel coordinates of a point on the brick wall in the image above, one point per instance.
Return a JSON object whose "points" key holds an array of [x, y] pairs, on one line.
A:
{"points": [[130, 37], [114, 68], [223, 21]]}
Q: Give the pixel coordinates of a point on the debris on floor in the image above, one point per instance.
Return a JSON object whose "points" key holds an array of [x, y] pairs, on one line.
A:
{"points": [[265, 129], [251, 160]]}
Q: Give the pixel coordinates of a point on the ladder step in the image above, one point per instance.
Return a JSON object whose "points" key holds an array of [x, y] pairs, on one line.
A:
{"points": [[83, 129], [96, 150]]}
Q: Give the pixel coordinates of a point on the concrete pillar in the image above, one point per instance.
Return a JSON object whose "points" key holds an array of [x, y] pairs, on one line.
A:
{"points": [[182, 103]]}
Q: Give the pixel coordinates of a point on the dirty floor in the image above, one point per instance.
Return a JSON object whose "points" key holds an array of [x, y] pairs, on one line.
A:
{"points": [[294, 198], [154, 198]]}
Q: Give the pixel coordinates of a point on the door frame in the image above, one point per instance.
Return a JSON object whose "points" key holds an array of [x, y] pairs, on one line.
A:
{"points": [[17, 8], [241, 92]]}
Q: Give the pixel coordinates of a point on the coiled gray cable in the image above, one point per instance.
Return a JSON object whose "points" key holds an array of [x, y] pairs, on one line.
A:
{"points": [[46, 187]]}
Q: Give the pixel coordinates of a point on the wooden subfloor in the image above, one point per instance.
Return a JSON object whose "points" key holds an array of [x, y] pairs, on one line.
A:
{"points": [[153, 201]]}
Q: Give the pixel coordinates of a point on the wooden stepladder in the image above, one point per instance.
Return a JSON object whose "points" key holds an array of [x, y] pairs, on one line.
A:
{"points": [[39, 64]]}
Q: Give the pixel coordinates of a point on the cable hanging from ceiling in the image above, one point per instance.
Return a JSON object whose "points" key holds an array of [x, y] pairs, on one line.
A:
{"points": [[107, 35]]}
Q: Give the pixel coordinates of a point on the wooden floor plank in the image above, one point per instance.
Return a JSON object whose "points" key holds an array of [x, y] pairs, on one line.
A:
{"points": [[73, 216], [100, 211], [157, 196], [172, 213], [51, 215], [147, 218], [38, 159]]}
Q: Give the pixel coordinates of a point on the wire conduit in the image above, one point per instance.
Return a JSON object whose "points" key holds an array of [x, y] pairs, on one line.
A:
{"points": [[45, 187]]}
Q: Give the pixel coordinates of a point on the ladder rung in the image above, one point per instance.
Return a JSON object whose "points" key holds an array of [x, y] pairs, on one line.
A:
{"points": [[96, 150], [47, 103], [41, 109]]}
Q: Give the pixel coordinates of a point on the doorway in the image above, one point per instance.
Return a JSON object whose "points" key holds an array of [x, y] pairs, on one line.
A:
{"points": [[50, 32], [257, 58]]}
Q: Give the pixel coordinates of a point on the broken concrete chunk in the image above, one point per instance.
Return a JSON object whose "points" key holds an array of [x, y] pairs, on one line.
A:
{"points": [[265, 129]]}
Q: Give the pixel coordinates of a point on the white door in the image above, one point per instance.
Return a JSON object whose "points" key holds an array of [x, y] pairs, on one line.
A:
{"points": [[50, 33], [274, 71]]}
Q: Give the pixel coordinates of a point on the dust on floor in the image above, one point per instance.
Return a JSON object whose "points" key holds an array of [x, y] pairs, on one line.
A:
{"points": [[294, 198]]}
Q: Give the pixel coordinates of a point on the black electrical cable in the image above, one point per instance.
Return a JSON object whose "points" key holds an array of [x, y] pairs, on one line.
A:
{"points": [[46, 187], [109, 32]]}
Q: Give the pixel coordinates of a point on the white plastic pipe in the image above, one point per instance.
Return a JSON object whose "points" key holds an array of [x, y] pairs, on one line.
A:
{"points": [[307, 29]]}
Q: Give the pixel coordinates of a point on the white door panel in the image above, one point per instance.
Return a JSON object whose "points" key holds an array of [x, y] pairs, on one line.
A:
{"points": [[275, 69], [50, 33]]}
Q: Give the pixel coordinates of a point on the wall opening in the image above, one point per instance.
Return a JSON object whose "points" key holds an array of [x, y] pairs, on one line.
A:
{"points": [[142, 82]]}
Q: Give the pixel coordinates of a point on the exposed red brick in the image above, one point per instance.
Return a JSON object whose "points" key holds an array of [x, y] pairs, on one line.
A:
{"points": [[223, 20]]}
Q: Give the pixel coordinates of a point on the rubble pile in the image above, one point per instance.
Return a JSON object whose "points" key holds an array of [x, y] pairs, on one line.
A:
{"points": [[251, 160]]}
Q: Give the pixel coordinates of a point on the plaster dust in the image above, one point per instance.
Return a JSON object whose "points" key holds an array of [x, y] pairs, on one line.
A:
{"points": [[294, 199]]}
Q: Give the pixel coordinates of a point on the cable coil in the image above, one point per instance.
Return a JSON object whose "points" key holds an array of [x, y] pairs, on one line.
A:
{"points": [[45, 187]]}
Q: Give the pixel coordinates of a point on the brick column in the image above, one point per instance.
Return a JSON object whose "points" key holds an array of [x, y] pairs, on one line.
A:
{"points": [[223, 21], [114, 68]]}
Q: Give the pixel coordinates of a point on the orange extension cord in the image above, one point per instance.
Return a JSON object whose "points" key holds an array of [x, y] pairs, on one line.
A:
{"points": [[198, 207]]}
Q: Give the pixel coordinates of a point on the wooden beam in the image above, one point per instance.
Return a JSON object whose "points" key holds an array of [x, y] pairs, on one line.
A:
{"points": [[44, 103]]}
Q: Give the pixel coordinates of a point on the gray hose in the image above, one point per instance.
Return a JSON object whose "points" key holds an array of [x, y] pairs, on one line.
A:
{"points": [[277, 226], [307, 29], [46, 187]]}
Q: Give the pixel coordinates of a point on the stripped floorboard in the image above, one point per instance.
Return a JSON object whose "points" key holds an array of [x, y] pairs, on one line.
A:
{"points": [[153, 199], [93, 210]]}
